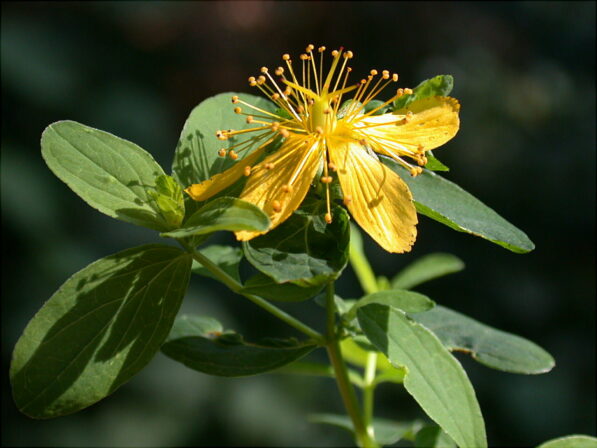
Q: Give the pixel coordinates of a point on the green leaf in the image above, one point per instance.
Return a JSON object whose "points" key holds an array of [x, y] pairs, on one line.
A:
{"points": [[98, 330], [432, 436], [266, 287], [427, 268], [408, 301], [196, 158], [355, 354], [203, 347], [303, 249], [222, 214], [571, 441], [226, 257], [317, 369], [434, 164], [386, 431], [449, 204], [492, 348], [434, 378], [111, 174], [167, 195], [440, 85]]}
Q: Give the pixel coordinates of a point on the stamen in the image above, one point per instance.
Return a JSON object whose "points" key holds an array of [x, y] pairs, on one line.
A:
{"points": [[222, 152], [247, 171], [328, 218], [233, 155], [276, 206], [347, 199]]}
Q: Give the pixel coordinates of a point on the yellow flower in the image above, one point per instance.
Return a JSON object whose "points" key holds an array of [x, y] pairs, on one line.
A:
{"points": [[342, 145]]}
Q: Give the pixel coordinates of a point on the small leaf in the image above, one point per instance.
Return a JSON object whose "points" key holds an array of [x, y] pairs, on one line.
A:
{"points": [[316, 369], [167, 195], [209, 351], [303, 249], [386, 432], [196, 158], [571, 441], [99, 329], [222, 214], [432, 436], [491, 347], [409, 301], [434, 378], [434, 164], [427, 268], [226, 257], [440, 85], [111, 174], [266, 287], [449, 204]]}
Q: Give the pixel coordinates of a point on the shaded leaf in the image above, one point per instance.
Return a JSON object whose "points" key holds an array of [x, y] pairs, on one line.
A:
{"points": [[266, 287], [427, 268], [434, 378], [434, 164], [449, 204], [111, 174], [408, 301], [205, 348], [492, 348], [99, 329], [303, 249], [222, 214], [226, 257], [572, 441], [316, 369], [432, 436]]}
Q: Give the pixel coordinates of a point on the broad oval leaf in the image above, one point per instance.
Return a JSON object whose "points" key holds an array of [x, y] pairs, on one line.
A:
{"points": [[571, 441], [409, 301], [440, 85], [303, 249], [449, 204], [434, 378], [432, 436], [226, 257], [225, 213], [111, 174], [196, 158], [202, 346], [492, 348], [266, 287], [427, 268], [98, 330]]}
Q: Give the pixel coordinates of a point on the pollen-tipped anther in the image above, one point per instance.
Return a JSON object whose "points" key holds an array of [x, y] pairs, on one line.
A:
{"points": [[264, 69], [328, 218], [237, 110], [247, 171], [326, 179], [222, 152], [309, 48], [269, 166], [233, 155], [279, 71], [321, 49], [234, 99], [284, 133], [250, 119], [347, 199], [276, 206]]}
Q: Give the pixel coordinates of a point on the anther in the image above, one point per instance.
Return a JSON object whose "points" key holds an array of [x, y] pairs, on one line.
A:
{"points": [[233, 155], [275, 126], [263, 69], [373, 72], [222, 152], [279, 71], [347, 199], [395, 77], [221, 135], [286, 56], [234, 99], [335, 53], [237, 110], [385, 74], [321, 49], [287, 188], [328, 218], [399, 92], [250, 119], [261, 79], [408, 91], [326, 179], [300, 109], [348, 54], [247, 171], [275, 96], [269, 166], [284, 133], [277, 206], [309, 48], [332, 166], [327, 110], [421, 149], [319, 130]]}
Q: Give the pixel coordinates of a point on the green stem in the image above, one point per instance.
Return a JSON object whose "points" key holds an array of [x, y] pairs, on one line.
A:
{"points": [[369, 391], [235, 286], [362, 268], [346, 390]]}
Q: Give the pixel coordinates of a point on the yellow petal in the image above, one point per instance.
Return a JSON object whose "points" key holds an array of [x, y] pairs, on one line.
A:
{"points": [[206, 189], [376, 196], [434, 121], [294, 165]]}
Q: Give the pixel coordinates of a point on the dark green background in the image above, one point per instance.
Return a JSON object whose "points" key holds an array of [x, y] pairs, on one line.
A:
{"points": [[525, 76]]}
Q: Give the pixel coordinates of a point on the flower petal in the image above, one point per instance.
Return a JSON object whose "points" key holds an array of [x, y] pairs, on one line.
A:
{"points": [[376, 196], [434, 121], [294, 164], [207, 188]]}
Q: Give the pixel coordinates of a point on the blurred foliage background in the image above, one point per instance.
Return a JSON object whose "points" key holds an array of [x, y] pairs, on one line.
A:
{"points": [[525, 76]]}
